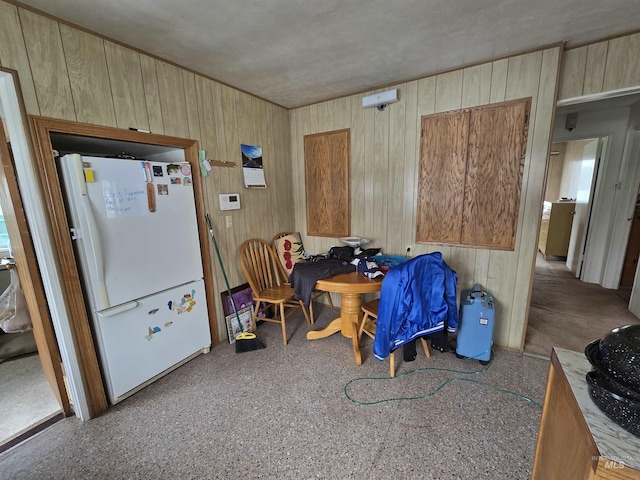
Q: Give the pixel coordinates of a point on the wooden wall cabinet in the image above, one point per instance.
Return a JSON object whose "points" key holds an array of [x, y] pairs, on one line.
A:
{"points": [[326, 166], [471, 166], [555, 229]]}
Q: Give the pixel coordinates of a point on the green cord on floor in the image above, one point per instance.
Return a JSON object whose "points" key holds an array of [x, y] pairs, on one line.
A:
{"points": [[440, 387]]}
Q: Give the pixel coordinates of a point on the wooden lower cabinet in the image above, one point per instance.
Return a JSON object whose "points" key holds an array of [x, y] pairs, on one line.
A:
{"points": [[555, 230], [566, 446]]}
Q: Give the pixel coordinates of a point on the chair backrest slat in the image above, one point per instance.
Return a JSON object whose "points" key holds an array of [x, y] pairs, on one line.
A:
{"points": [[258, 263]]}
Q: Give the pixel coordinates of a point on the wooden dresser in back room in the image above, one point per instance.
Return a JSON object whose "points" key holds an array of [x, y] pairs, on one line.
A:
{"points": [[555, 228]]}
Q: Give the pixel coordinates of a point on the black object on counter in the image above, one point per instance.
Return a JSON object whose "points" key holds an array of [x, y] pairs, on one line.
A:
{"points": [[622, 410], [592, 352], [620, 355], [614, 382]]}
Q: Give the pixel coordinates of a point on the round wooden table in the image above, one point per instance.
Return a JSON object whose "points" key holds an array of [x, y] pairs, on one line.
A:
{"points": [[351, 285]]}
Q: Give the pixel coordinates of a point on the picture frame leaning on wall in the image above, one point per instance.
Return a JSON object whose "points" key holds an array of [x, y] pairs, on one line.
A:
{"points": [[243, 298]]}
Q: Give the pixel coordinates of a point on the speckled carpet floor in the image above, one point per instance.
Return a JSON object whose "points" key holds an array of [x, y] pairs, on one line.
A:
{"points": [[304, 411]]}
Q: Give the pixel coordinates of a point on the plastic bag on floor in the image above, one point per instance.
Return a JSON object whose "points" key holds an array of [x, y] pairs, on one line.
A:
{"points": [[14, 316]]}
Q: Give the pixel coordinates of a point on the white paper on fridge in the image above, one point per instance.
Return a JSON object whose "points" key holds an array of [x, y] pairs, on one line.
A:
{"points": [[124, 200]]}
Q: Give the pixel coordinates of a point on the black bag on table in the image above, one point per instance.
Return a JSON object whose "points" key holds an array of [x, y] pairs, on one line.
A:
{"points": [[342, 253]]}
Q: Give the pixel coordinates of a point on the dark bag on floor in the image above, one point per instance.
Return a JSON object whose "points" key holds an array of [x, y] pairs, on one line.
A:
{"points": [[440, 340]]}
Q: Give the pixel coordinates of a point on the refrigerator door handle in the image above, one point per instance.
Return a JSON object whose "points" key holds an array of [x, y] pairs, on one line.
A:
{"points": [[96, 256], [109, 312]]}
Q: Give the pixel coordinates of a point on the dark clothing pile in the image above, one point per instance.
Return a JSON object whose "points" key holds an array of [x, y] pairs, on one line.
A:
{"points": [[304, 276]]}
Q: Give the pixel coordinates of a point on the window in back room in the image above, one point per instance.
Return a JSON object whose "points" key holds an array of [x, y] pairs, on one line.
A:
{"points": [[5, 245]]}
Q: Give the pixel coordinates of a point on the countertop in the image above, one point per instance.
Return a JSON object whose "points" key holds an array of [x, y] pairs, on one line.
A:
{"points": [[613, 442]]}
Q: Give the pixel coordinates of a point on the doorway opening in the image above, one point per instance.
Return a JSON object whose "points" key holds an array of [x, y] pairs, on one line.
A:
{"points": [[632, 253], [575, 296], [28, 371], [566, 214], [28, 402]]}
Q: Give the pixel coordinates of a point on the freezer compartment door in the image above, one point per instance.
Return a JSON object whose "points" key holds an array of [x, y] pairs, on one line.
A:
{"points": [[141, 339], [134, 224]]}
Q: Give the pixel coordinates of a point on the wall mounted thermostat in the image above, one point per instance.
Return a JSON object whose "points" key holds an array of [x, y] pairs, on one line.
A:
{"points": [[229, 201]]}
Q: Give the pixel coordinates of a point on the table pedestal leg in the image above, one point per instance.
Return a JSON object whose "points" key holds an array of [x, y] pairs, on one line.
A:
{"points": [[333, 327], [347, 324], [351, 315]]}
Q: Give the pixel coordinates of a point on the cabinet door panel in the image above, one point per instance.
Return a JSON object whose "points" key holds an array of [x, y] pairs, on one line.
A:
{"points": [[326, 160], [443, 158], [496, 154]]}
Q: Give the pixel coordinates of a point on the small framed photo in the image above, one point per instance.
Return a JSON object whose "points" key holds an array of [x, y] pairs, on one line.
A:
{"points": [[243, 299], [233, 330]]}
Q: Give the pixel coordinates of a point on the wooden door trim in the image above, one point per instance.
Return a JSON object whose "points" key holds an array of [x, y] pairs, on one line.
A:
{"points": [[42, 128], [29, 275], [27, 264]]}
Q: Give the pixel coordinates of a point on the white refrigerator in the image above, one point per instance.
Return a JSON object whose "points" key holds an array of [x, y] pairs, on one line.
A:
{"points": [[134, 229]]}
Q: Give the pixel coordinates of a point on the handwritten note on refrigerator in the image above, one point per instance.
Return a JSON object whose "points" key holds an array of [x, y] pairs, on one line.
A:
{"points": [[124, 200]]}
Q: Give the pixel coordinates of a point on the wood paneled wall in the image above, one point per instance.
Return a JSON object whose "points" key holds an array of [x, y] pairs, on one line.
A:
{"points": [[70, 74], [384, 163], [601, 67]]}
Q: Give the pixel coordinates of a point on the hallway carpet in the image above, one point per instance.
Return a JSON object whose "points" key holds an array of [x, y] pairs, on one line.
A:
{"points": [[282, 413], [568, 313]]}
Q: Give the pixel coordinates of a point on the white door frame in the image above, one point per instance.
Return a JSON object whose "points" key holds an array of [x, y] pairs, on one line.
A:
{"points": [[633, 142], [36, 216], [628, 183], [601, 153], [611, 267]]}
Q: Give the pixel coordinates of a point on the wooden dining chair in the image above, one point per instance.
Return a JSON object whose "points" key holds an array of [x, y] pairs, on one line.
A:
{"points": [[315, 294], [368, 327], [260, 267]]}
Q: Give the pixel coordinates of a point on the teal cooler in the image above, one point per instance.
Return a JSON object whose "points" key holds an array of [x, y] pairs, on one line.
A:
{"points": [[475, 325]]}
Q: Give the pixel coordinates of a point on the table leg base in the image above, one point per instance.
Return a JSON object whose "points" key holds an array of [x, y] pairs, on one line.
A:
{"points": [[333, 327]]}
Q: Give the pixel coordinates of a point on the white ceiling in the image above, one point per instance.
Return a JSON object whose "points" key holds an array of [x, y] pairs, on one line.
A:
{"points": [[297, 52]]}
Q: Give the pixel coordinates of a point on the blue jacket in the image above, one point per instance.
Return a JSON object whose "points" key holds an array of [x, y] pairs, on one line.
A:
{"points": [[418, 297]]}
